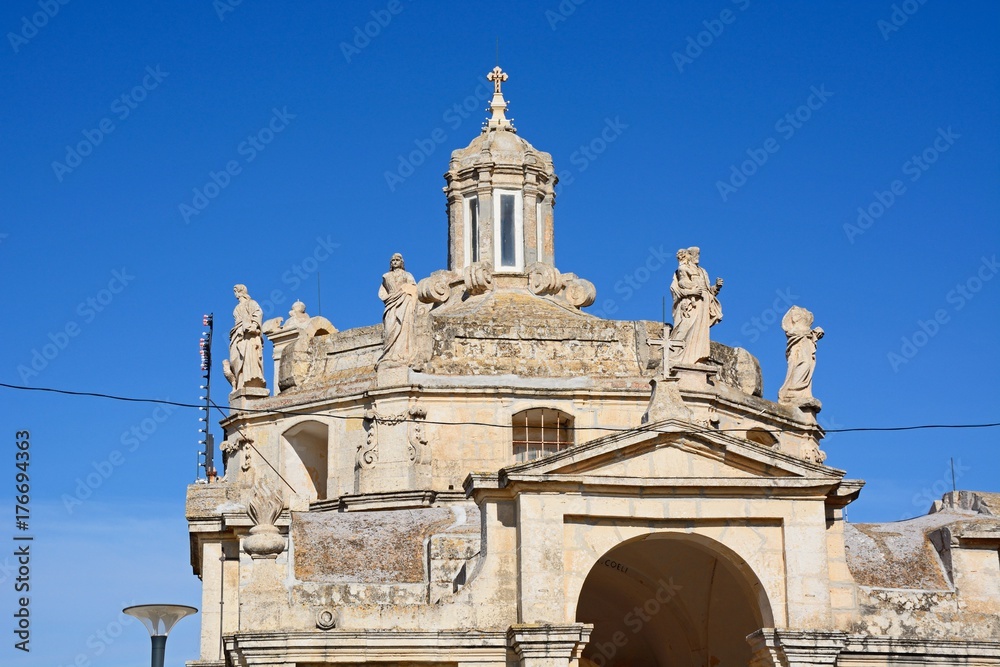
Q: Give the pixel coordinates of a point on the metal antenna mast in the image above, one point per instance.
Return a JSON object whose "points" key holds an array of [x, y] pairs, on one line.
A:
{"points": [[205, 345]]}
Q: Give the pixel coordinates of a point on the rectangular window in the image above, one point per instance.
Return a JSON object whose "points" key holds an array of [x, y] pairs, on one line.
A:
{"points": [[508, 255], [539, 252], [471, 230], [508, 230]]}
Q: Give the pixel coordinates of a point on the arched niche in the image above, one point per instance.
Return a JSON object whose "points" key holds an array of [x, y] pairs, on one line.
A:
{"points": [[671, 599], [305, 458]]}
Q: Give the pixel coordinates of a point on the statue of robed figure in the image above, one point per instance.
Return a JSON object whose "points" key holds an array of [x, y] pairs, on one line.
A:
{"points": [[245, 366], [800, 351], [696, 309], [399, 293]]}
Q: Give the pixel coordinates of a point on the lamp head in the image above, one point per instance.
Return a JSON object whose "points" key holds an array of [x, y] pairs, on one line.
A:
{"points": [[159, 618]]}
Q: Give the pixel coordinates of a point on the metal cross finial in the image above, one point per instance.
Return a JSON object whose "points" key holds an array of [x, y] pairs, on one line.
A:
{"points": [[497, 76]]}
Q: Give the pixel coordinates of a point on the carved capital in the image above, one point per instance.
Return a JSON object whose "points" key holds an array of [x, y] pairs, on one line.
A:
{"points": [[234, 445]]}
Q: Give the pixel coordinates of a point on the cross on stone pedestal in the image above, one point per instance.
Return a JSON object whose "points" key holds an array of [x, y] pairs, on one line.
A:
{"points": [[497, 76], [666, 347]]}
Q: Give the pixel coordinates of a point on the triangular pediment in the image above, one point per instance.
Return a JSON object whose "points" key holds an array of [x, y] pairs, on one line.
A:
{"points": [[673, 450]]}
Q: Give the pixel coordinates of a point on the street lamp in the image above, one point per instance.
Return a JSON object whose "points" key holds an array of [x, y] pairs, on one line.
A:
{"points": [[159, 619]]}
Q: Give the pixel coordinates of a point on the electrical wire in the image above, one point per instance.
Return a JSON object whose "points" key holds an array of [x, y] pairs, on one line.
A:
{"points": [[616, 429]]}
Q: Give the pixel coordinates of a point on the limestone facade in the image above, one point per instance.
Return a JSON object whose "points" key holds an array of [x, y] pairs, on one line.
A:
{"points": [[532, 485]]}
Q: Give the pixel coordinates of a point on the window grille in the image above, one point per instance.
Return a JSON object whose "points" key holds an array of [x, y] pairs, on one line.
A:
{"points": [[540, 432]]}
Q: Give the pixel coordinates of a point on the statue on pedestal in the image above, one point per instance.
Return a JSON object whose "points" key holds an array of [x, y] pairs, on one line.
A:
{"points": [[245, 366], [695, 309], [800, 351], [399, 293]]}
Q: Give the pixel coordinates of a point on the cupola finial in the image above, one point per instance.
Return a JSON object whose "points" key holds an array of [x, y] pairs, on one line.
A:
{"points": [[498, 105]]}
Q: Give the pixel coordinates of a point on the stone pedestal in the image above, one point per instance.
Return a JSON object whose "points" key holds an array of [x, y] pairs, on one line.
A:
{"points": [[695, 377], [262, 597], [665, 402], [241, 398], [395, 455], [548, 645]]}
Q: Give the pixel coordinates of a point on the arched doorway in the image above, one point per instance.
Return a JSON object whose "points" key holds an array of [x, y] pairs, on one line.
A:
{"points": [[671, 600]]}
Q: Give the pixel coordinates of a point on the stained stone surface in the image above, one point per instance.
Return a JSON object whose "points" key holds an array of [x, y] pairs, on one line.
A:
{"points": [[373, 547]]}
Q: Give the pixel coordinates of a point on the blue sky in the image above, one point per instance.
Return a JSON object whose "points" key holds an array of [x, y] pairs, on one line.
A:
{"points": [[754, 130]]}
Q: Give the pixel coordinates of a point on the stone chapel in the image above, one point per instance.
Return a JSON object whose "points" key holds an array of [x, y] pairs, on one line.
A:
{"points": [[491, 476]]}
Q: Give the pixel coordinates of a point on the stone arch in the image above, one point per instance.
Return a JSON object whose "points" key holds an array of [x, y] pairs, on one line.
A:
{"points": [[671, 598], [305, 458]]}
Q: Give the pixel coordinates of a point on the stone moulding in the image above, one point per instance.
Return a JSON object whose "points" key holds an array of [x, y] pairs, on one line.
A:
{"points": [[777, 648], [435, 647]]}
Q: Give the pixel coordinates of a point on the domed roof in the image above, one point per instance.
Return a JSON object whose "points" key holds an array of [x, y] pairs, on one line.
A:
{"points": [[500, 147], [498, 143]]}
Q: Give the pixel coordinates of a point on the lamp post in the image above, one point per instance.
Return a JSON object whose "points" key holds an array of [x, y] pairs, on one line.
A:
{"points": [[159, 619]]}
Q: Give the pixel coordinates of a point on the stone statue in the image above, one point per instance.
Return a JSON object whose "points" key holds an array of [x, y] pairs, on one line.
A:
{"points": [[297, 317], [399, 293], [695, 309], [245, 366], [801, 354]]}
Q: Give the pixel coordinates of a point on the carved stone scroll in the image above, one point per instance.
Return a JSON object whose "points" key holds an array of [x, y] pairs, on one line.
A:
{"points": [[368, 450], [234, 445], [417, 436], [544, 279], [478, 278], [436, 288], [579, 292]]}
